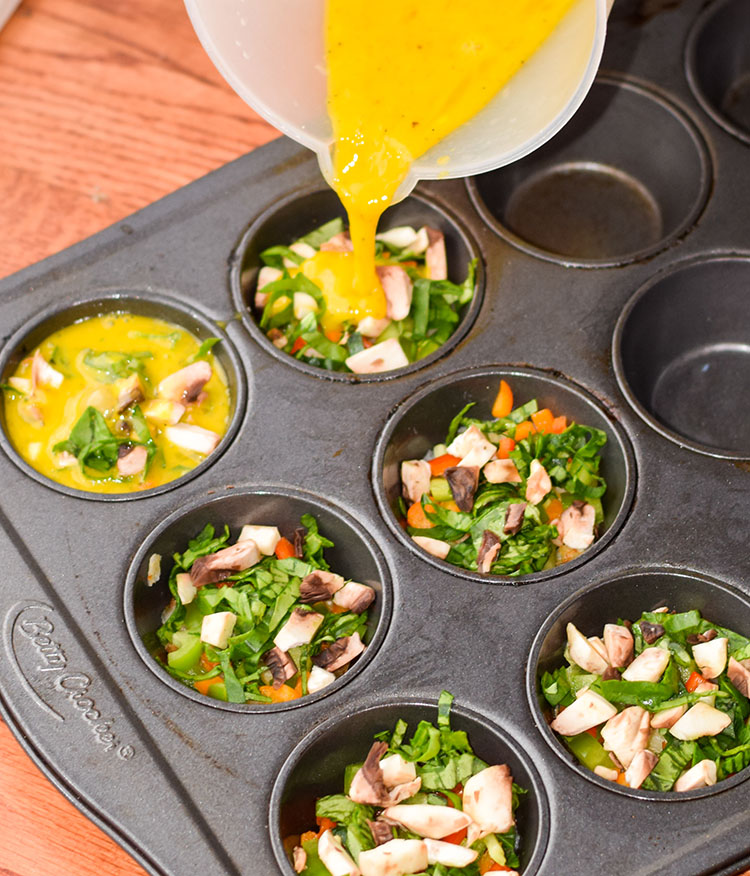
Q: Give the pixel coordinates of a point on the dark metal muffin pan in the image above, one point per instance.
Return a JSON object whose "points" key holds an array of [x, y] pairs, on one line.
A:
{"points": [[190, 787]]}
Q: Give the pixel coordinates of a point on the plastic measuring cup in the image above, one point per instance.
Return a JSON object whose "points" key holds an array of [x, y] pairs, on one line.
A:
{"points": [[272, 53]]}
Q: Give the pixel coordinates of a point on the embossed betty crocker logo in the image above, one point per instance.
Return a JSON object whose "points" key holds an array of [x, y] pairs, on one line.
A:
{"points": [[46, 674]]}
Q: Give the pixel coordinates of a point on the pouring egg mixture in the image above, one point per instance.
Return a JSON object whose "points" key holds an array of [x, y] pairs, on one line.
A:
{"points": [[117, 403], [399, 81]]}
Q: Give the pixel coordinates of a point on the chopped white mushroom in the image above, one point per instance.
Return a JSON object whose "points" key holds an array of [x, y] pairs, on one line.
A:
{"points": [[415, 479], [667, 717], [711, 657], [162, 411], [501, 471], [576, 526], [43, 374], [399, 237], [488, 799], [589, 710], [739, 675], [220, 565], [133, 461], [65, 459], [702, 775], [22, 384], [598, 645], [396, 770], [397, 857], [154, 569], [354, 597], [627, 733], [299, 859], [129, 391], [267, 275], [303, 249], [449, 854], [369, 327], [420, 243], [426, 820], [479, 455], [397, 288], [538, 483], [606, 773], [217, 628], [266, 537], [340, 242], [186, 590], [649, 665], [341, 652], [318, 679], [640, 767], [618, 640], [435, 257], [434, 546], [194, 438], [298, 630], [384, 356], [303, 304], [470, 439], [334, 856], [704, 687], [583, 653], [186, 384], [700, 720]]}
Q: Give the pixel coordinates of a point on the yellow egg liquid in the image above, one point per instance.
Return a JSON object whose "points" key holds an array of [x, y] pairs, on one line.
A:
{"points": [[59, 409], [402, 76]]}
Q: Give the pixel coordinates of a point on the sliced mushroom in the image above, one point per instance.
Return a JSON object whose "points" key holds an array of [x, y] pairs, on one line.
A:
{"points": [[576, 526], [589, 710], [702, 775], [319, 586], [186, 384], [434, 822], [434, 546], [488, 799], [194, 438], [704, 687], [463, 481], [131, 460], [298, 630], [266, 537], [381, 832], [129, 391], [396, 770], [415, 479], [606, 773], [449, 854], [397, 857], [280, 665], [397, 288], [369, 327], [489, 548], [649, 665], [651, 632], [398, 238], [354, 597], [514, 517], [334, 856], [302, 304], [299, 542], [299, 859], [340, 242], [640, 767], [369, 783], [711, 657], [618, 640], [43, 374], [469, 440], [435, 257], [667, 717], [700, 720], [186, 590], [538, 484], [501, 471], [220, 565], [739, 675], [384, 356], [162, 411], [627, 733], [341, 652], [583, 653], [598, 645]]}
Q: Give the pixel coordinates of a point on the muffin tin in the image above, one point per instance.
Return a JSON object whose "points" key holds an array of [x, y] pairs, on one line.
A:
{"points": [[644, 325]]}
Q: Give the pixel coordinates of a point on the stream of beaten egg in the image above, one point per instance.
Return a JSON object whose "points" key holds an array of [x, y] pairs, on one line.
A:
{"points": [[401, 77]]}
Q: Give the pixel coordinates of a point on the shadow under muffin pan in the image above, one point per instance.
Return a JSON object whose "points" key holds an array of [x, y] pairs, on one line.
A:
{"points": [[158, 306], [626, 597], [681, 353], [354, 555], [316, 768], [297, 215], [717, 62], [422, 421], [603, 192]]}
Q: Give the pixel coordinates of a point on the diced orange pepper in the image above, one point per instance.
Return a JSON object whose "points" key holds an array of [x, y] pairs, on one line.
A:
{"points": [[488, 865], [203, 686], [554, 509], [439, 464], [621, 778], [282, 694], [593, 732], [207, 664], [543, 420], [450, 506], [334, 335], [559, 424], [284, 549], [523, 430], [324, 824], [455, 837], [695, 679], [505, 447], [503, 403], [337, 609], [416, 517], [307, 836], [298, 345]]}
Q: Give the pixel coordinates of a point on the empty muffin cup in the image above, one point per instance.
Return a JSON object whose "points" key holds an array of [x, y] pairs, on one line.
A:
{"points": [[626, 597], [681, 353], [303, 212], [354, 556], [157, 343], [421, 421], [316, 768], [717, 63], [597, 194]]}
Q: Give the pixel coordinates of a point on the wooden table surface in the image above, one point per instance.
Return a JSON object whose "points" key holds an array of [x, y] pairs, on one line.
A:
{"points": [[105, 106]]}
